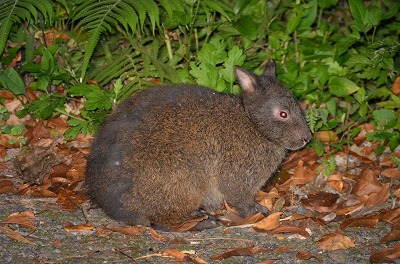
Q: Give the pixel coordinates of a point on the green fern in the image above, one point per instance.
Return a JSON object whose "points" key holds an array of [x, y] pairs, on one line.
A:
{"points": [[15, 11], [99, 16], [312, 116]]}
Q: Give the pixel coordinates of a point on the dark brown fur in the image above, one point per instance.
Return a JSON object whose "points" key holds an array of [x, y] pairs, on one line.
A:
{"points": [[168, 151]]}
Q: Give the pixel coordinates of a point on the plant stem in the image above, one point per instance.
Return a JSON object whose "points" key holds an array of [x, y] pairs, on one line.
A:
{"points": [[167, 40]]}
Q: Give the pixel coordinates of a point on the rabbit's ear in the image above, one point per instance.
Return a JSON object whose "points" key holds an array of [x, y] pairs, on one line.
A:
{"points": [[247, 80], [270, 70]]}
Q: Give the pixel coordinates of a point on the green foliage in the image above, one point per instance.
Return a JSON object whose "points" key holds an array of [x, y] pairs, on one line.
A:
{"points": [[215, 69], [18, 11], [48, 72], [340, 58], [11, 80]]}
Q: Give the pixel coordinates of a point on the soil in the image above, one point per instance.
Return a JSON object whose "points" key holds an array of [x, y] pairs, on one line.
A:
{"points": [[53, 244]]}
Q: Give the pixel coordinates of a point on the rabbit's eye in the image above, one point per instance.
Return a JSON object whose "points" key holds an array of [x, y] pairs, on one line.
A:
{"points": [[283, 114]]}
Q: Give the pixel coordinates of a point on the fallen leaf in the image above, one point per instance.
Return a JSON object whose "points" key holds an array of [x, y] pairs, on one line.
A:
{"points": [[14, 235], [130, 230], [393, 173], [306, 255], [70, 200], [321, 202], [176, 254], [268, 261], [290, 229], [268, 223], [189, 224], [390, 215], [251, 219], [6, 186], [380, 197], [22, 219], [381, 256], [336, 181], [370, 222], [85, 229], [394, 235], [244, 251], [367, 184], [157, 237], [335, 241], [327, 136], [57, 242], [348, 210], [396, 86]]}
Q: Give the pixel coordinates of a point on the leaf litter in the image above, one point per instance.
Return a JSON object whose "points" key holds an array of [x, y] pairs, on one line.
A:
{"points": [[362, 192]]}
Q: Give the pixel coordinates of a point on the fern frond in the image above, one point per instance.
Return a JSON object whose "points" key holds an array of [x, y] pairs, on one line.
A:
{"points": [[15, 11], [217, 6], [173, 5], [98, 16]]}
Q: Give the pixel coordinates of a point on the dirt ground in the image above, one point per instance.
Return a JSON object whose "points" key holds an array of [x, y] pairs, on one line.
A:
{"points": [[51, 243]]}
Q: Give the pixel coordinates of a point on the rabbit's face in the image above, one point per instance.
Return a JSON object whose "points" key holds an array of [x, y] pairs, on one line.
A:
{"points": [[273, 109], [281, 120]]}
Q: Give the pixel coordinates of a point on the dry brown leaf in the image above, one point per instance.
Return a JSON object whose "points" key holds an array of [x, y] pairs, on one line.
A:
{"points": [[57, 242], [70, 200], [176, 254], [390, 215], [189, 224], [393, 173], [370, 222], [268, 223], [245, 251], [396, 86], [157, 237], [323, 202], [348, 210], [394, 235], [306, 255], [14, 235], [130, 230], [327, 136], [6, 186], [367, 184], [182, 256], [380, 197], [336, 181], [335, 241], [85, 229], [267, 199], [290, 229], [381, 256], [251, 219], [22, 219], [268, 261]]}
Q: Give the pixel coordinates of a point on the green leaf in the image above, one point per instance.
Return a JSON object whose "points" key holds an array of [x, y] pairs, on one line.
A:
{"points": [[235, 58], [294, 20], [97, 99], [375, 15], [392, 11], [41, 84], [385, 118], [331, 106], [11, 80], [240, 5], [14, 11], [47, 63], [45, 106], [358, 11], [341, 86], [248, 26], [310, 14], [324, 4]]}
